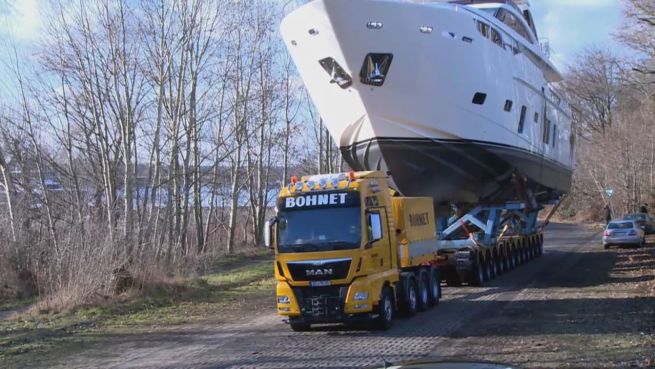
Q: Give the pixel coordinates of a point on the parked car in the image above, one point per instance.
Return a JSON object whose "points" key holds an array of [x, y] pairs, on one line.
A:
{"points": [[623, 232], [643, 220]]}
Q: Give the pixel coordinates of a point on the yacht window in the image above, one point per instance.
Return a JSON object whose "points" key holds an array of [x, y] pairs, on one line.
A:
{"points": [[547, 131], [536, 117], [508, 105], [515, 46], [513, 22], [479, 98], [496, 38], [483, 28], [490, 11], [524, 111], [554, 134]]}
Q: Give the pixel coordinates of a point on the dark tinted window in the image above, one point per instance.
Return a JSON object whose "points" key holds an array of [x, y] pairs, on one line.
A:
{"points": [[319, 229], [483, 28], [620, 225], [508, 105], [479, 98], [513, 22], [496, 38], [524, 111], [547, 131], [554, 134]]}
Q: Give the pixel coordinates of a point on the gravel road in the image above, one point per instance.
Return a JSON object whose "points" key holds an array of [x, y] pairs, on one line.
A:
{"points": [[576, 306]]}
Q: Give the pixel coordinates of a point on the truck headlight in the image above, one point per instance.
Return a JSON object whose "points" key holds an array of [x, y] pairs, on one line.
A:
{"points": [[283, 300], [361, 296]]}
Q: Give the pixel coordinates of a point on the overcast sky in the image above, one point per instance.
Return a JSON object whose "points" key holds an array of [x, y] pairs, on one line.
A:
{"points": [[569, 25]]}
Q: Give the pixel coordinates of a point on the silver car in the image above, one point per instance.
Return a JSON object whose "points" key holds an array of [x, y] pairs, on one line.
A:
{"points": [[623, 232]]}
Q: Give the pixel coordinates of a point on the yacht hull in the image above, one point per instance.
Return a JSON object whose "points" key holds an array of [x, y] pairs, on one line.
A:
{"points": [[449, 112], [458, 171]]}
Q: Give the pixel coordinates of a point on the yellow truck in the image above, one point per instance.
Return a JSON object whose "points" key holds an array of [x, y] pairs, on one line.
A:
{"points": [[349, 249]]}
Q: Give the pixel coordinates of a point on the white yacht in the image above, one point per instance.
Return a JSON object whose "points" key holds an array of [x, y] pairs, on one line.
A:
{"points": [[452, 97]]}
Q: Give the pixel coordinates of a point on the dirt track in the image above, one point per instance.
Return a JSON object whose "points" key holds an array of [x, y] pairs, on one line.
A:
{"points": [[576, 306]]}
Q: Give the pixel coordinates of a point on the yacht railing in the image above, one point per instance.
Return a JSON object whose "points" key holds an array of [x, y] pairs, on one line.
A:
{"points": [[544, 43]]}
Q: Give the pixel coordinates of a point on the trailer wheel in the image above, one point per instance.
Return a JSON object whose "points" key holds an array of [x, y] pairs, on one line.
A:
{"points": [[519, 253], [476, 276], [493, 265], [423, 301], [512, 257], [500, 264], [410, 299], [435, 287], [385, 317], [506, 259], [298, 325]]}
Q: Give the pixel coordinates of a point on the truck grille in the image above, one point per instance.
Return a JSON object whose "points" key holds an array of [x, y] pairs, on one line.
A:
{"points": [[319, 270], [321, 302]]}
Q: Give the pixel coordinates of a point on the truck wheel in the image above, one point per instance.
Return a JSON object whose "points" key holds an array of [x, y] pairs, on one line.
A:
{"points": [[423, 292], [410, 299], [298, 325], [435, 287], [385, 317]]}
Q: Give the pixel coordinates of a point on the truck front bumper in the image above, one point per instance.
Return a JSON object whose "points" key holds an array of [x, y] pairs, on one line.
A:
{"points": [[317, 305]]}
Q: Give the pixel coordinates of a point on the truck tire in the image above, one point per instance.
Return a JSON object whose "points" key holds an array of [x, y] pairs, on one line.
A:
{"points": [[423, 300], [435, 286], [385, 312], [410, 299], [298, 325]]}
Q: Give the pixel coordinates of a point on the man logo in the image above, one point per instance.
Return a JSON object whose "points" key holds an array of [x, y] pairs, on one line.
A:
{"points": [[318, 272]]}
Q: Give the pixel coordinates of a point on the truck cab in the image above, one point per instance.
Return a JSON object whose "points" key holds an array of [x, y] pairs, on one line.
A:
{"points": [[336, 248]]}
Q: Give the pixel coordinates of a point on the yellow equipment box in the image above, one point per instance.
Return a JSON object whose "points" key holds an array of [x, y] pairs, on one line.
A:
{"points": [[418, 233]]}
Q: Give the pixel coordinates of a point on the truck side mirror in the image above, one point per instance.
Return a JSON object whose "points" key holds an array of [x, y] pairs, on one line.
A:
{"points": [[374, 223], [269, 232]]}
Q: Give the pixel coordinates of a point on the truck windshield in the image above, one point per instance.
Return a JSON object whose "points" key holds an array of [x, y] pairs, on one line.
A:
{"points": [[319, 229]]}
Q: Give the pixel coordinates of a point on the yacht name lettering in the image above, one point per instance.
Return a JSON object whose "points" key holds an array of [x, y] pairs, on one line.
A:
{"points": [[315, 200]]}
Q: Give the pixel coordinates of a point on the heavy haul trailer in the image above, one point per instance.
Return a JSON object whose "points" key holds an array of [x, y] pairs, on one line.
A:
{"points": [[349, 249]]}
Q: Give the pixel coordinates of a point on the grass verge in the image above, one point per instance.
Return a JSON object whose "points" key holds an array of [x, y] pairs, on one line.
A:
{"points": [[235, 283]]}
